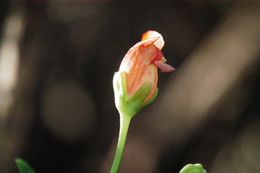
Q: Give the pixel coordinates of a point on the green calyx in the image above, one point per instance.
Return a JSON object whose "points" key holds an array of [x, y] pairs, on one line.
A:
{"points": [[193, 168], [129, 105]]}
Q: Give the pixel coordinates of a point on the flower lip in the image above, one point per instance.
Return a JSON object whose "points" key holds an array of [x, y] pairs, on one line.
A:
{"points": [[160, 62], [159, 57], [163, 66]]}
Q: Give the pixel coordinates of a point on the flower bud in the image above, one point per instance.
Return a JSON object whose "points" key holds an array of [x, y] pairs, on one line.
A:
{"points": [[193, 168], [135, 84]]}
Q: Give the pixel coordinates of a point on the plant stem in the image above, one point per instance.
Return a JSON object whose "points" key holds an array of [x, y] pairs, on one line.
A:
{"points": [[124, 125]]}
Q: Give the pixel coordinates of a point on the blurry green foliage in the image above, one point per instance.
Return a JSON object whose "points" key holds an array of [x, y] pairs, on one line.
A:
{"points": [[23, 166]]}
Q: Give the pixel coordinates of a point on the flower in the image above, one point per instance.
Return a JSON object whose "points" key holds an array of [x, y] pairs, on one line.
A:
{"points": [[135, 84]]}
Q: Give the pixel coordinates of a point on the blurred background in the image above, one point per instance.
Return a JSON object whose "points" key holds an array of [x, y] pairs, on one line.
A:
{"points": [[57, 59]]}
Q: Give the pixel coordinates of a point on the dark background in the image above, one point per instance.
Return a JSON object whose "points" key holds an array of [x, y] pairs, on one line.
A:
{"points": [[57, 60]]}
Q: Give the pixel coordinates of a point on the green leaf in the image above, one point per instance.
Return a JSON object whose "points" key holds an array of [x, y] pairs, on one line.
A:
{"points": [[23, 166], [193, 168]]}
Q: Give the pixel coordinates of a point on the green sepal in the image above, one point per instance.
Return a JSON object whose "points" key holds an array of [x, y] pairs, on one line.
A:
{"points": [[128, 105], [135, 103], [153, 98], [193, 168], [23, 166]]}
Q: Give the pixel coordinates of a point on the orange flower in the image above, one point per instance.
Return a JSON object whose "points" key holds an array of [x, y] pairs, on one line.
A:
{"points": [[139, 67]]}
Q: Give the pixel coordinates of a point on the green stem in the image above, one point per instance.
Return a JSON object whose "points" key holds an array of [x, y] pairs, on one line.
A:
{"points": [[124, 125]]}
